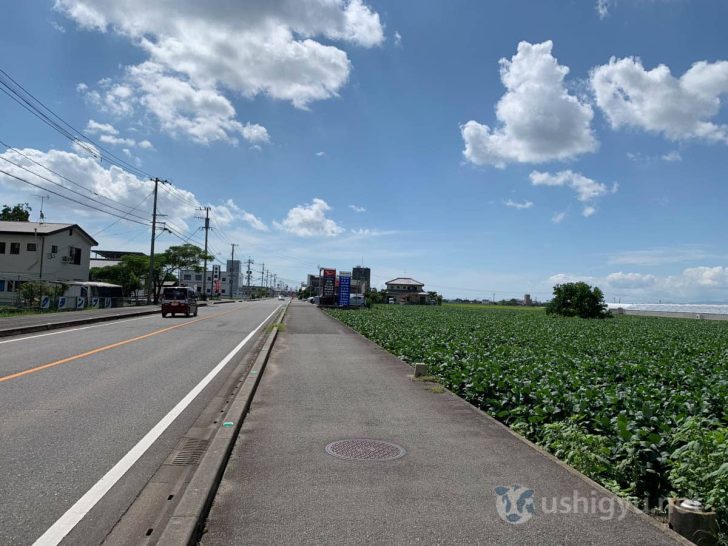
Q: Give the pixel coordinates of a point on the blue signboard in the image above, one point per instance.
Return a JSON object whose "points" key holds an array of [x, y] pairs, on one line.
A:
{"points": [[344, 289]]}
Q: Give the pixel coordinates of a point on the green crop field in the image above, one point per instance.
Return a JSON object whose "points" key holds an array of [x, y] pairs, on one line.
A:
{"points": [[639, 404]]}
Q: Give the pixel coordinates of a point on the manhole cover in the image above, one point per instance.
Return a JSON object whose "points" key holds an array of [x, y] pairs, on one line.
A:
{"points": [[365, 450]]}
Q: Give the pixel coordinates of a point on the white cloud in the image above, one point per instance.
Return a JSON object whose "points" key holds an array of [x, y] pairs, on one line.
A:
{"points": [[586, 189], [108, 134], [655, 101], [114, 189], [367, 232], [397, 38], [181, 108], [602, 8], [638, 157], [630, 280], [117, 141], [251, 48], [355, 208], [538, 119], [253, 221], [320, 154], [558, 217], [693, 284], [58, 27], [94, 127], [309, 220], [712, 277], [519, 206]]}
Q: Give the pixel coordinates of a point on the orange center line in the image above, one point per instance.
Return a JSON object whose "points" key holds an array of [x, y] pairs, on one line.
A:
{"points": [[107, 347]]}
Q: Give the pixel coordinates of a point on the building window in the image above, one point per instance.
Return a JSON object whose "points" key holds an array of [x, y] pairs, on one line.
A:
{"points": [[187, 277], [14, 248], [2, 285], [54, 249], [11, 286], [2, 248], [31, 247], [198, 277], [75, 256]]}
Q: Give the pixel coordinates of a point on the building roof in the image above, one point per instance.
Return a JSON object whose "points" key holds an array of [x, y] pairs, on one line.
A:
{"points": [[116, 254], [32, 228], [405, 280]]}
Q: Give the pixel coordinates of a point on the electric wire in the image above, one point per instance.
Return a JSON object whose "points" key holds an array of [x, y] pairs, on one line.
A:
{"points": [[70, 198], [70, 189], [17, 151]]}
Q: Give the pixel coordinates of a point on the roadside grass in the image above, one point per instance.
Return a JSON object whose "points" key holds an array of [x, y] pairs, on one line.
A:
{"points": [[7, 313], [279, 325]]}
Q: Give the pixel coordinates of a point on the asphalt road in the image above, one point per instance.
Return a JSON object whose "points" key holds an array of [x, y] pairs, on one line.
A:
{"points": [[74, 402]]}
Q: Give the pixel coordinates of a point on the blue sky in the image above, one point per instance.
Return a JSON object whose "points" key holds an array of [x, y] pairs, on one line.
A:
{"points": [[478, 147]]}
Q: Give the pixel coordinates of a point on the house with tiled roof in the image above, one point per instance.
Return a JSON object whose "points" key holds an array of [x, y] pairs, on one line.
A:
{"points": [[406, 290]]}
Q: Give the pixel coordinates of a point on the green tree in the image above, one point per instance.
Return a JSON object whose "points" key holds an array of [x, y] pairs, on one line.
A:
{"points": [[130, 273], [18, 213], [578, 299], [175, 258]]}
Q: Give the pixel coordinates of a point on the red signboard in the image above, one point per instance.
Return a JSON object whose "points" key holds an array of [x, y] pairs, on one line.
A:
{"points": [[329, 282]]}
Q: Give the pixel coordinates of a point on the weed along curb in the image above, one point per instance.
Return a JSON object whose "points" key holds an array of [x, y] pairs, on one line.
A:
{"points": [[185, 525]]}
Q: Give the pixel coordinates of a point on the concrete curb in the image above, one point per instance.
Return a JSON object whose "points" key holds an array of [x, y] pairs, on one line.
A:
{"points": [[78, 322], [188, 518], [485, 416]]}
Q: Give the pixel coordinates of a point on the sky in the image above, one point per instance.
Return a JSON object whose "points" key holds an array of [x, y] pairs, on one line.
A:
{"points": [[482, 148]]}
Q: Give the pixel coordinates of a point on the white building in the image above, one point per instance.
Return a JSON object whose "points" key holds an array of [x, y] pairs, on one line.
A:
{"points": [[31, 251], [193, 279]]}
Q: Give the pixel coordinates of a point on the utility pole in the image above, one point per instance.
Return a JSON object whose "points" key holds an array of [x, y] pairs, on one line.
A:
{"points": [[232, 268], [262, 274], [150, 283], [204, 267], [248, 273]]}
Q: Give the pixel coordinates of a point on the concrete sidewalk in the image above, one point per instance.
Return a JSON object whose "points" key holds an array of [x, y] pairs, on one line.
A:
{"points": [[325, 383], [24, 324]]}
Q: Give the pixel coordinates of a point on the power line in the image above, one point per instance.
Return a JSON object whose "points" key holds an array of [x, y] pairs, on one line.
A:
{"points": [[127, 213], [15, 150], [36, 107], [117, 221], [70, 198]]}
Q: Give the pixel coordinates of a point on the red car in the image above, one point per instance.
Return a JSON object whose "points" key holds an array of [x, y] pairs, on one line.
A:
{"points": [[179, 299]]}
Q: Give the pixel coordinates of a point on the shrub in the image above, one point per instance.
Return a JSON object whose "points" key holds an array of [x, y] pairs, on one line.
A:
{"points": [[578, 299]]}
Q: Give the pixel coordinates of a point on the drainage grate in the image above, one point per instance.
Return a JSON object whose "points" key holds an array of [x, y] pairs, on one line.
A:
{"points": [[365, 450], [191, 452]]}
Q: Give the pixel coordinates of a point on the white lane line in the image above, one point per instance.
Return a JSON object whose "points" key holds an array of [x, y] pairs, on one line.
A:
{"points": [[107, 323], [58, 531]]}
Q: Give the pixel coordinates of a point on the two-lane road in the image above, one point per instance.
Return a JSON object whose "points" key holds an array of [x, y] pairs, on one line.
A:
{"points": [[76, 402]]}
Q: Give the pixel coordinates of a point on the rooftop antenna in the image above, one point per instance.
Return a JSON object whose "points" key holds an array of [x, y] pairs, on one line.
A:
{"points": [[41, 216]]}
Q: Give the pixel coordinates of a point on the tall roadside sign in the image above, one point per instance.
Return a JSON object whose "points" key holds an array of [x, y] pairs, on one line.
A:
{"points": [[328, 287], [344, 288]]}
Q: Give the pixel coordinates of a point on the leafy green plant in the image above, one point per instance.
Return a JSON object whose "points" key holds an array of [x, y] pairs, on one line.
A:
{"points": [[700, 465], [621, 390]]}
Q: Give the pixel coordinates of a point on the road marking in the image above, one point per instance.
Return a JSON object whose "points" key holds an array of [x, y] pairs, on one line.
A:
{"points": [[107, 323], [107, 347], [65, 524]]}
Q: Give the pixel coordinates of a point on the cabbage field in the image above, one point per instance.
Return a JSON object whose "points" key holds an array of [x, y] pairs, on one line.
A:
{"points": [[639, 404]]}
